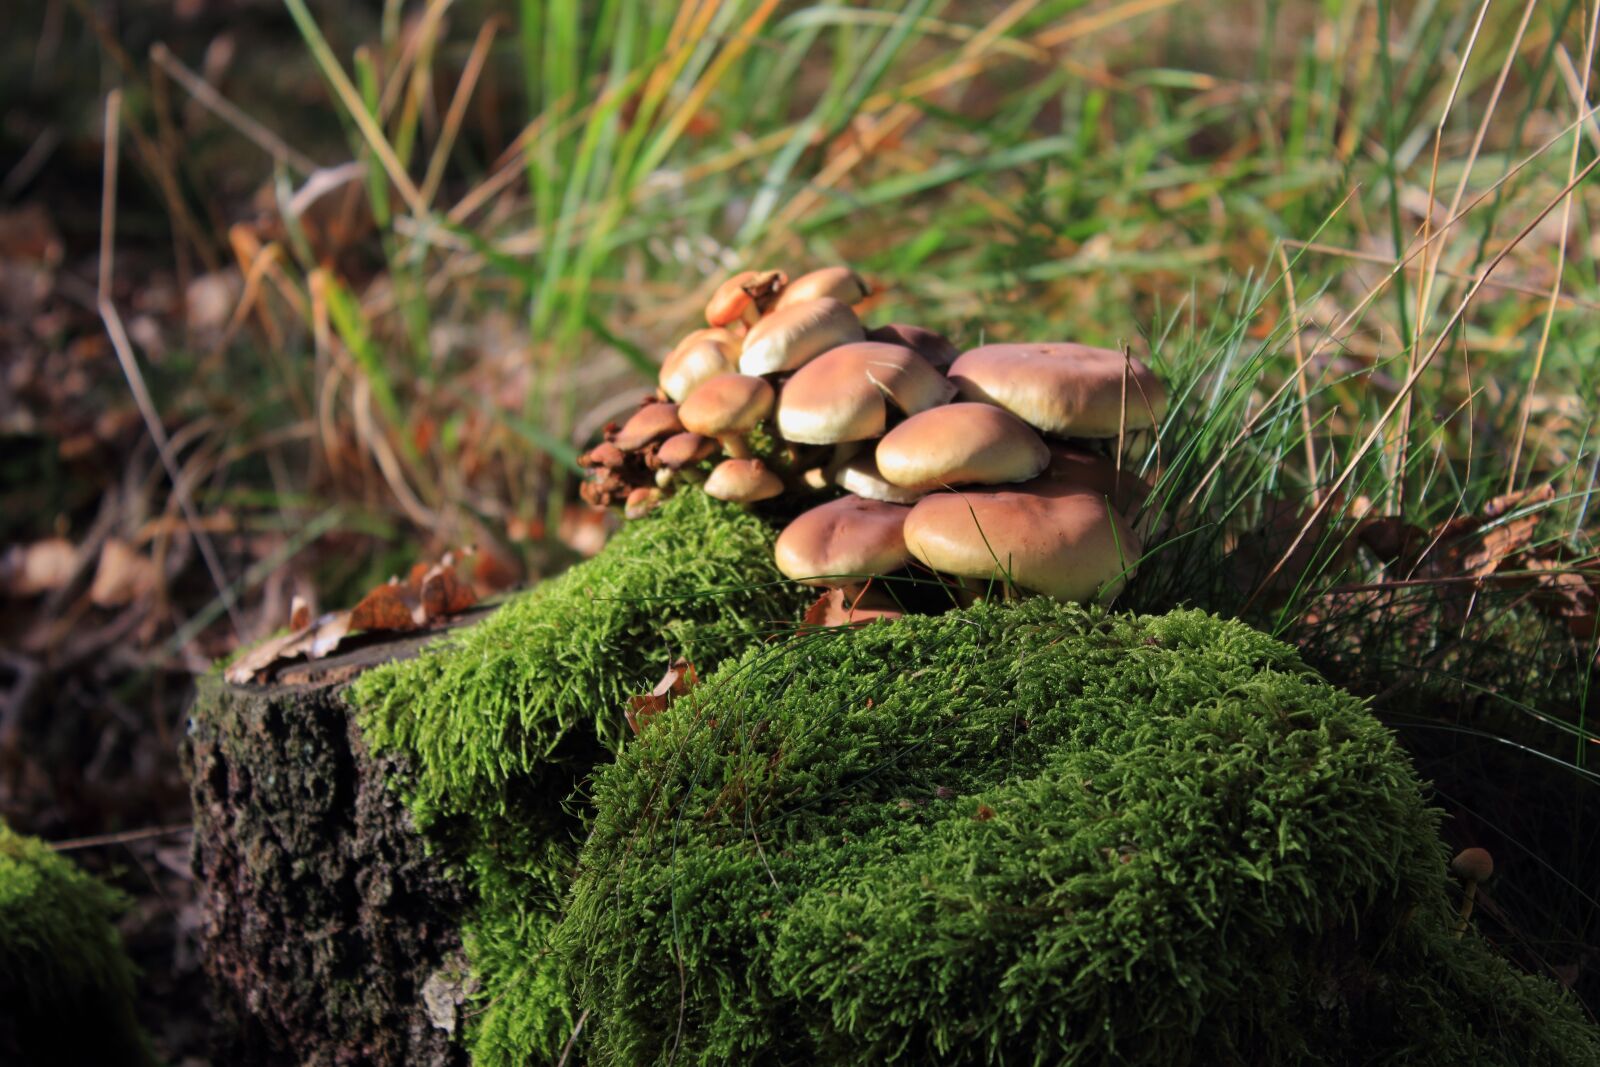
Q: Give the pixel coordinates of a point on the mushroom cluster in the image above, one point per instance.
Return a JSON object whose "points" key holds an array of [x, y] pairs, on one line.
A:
{"points": [[983, 466]]}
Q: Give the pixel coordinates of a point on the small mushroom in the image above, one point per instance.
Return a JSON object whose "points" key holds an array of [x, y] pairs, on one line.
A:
{"points": [[843, 542], [727, 407], [743, 297], [841, 395], [958, 444], [682, 449], [1043, 536], [859, 475], [650, 423], [1064, 389], [931, 346], [1071, 466], [701, 355], [1471, 865], [641, 502], [790, 338], [743, 481], [836, 283]]}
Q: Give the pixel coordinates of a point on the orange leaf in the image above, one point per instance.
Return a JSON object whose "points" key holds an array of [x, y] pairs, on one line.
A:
{"points": [[383, 609]]}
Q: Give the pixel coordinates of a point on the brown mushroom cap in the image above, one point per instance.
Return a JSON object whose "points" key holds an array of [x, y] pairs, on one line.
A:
{"points": [[1473, 864], [702, 355], [726, 404], [741, 297], [650, 423], [960, 443], [1070, 466], [682, 449], [843, 542], [743, 481], [641, 502], [1066, 389], [837, 283], [840, 395], [860, 476], [1044, 536], [790, 338], [931, 346]]}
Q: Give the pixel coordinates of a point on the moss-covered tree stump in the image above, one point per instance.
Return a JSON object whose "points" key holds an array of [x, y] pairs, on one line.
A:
{"points": [[383, 840], [332, 935]]}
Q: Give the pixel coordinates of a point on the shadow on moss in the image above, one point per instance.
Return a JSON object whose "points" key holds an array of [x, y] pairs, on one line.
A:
{"points": [[66, 983], [1032, 833], [503, 721]]}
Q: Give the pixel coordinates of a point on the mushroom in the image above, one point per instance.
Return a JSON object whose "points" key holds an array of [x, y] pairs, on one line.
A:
{"points": [[743, 297], [727, 407], [1472, 865], [641, 502], [1126, 490], [1042, 535], [838, 283], [843, 542], [840, 396], [702, 355], [960, 443], [789, 339], [1064, 389], [650, 423], [743, 481], [682, 449], [860, 476], [931, 346]]}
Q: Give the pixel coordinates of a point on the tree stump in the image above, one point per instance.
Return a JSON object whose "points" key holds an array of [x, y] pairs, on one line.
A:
{"points": [[331, 932]]}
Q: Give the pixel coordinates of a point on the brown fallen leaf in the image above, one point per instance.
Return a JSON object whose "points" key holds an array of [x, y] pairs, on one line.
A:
{"points": [[386, 608], [837, 607], [40, 567], [122, 576], [299, 613], [679, 679], [443, 593], [314, 641]]}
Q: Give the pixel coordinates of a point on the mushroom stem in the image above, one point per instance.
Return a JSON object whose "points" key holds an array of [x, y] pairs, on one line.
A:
{"points": [[735, 445], [1465, 911]]}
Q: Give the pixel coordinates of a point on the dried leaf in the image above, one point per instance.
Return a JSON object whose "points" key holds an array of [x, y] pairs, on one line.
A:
{"points": [[445, 594], [122, 576], [837, 608], [679, 679], [385, 608], [299, 613], [41, 567]]}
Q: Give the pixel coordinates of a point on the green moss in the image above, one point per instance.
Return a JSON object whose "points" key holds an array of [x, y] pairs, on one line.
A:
{"points": [[1032, 833], [503, 721], [66, 984]]}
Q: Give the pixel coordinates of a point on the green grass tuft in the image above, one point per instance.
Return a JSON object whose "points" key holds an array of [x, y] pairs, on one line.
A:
{"points": [[66, 983], [1029, 833]]}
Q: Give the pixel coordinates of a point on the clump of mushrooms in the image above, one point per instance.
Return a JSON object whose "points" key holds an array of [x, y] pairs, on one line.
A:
{"points": [[986, 467]]}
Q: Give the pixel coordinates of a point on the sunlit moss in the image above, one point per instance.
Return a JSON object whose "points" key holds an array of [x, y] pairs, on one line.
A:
{"points": [[66, 984], [502, 722], [1032, 833]]}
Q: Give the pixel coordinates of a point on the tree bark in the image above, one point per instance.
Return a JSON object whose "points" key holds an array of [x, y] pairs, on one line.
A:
{"points": [[331, 933]]}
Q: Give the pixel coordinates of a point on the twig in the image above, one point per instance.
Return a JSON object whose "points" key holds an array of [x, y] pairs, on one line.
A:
{"points": [[126, 837], [220, 106]]}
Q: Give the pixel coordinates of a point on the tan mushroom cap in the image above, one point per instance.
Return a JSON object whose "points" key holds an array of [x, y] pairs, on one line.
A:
{"points": [[650, 423], [931, 346], [726, 404], [840, 396], [860, 476], [702, 355], [1066, 389], [790, 338], [743, 481], [682, 449], [837, 283], [959, 444], [1045, 536], [742, 297], [843, 542]]}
